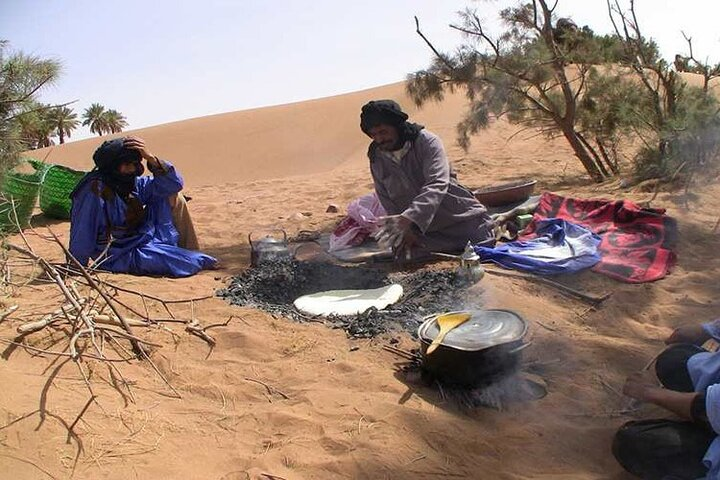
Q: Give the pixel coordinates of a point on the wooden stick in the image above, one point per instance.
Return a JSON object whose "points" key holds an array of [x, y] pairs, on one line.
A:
{"points": [[137, 348], [129, 337], [74, 339], [198, 331], [47, 319], [55, 275], [399, 352], [563, 288], [269, 388], [141, 294], [23, 417], [7, 312], [77, 419], [60, 354], [110, 320]]}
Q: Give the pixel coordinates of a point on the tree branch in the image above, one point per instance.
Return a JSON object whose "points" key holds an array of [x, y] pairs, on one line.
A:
{"points": [[432, 47]]}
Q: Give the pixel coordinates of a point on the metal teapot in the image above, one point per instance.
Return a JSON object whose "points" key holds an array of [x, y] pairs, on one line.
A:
{"points": [[269, 247], [470, 270]]}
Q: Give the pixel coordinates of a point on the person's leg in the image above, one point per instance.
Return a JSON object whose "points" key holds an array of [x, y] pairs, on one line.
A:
{"points": [[183, 223], [657, 449], [452, 239], [671, 367]]}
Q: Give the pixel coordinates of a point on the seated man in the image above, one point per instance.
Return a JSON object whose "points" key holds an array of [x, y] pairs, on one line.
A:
{"points": [[673, 449], [428, 210], [129, 223]]}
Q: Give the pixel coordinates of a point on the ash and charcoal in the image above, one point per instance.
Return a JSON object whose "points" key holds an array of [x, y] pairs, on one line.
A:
{"points": [[274, 286]]}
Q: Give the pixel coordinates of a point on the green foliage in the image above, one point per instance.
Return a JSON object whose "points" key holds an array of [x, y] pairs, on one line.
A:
{"points": [[598, 92], [103, 121], [22, 77], [690, 142], [524, 74], [93, 116], [64, 121], [115, 121], [679, 124]]}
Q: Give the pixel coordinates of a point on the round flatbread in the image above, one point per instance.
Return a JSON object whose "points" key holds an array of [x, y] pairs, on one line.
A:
{"points": [[348, 302]]}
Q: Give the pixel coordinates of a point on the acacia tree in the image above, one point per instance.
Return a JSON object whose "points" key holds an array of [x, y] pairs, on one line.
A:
{"points": [[547, 74], [679, 124], [522, 74]]}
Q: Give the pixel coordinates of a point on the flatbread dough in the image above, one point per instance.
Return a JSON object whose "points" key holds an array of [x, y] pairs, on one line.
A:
{"points": [[348, 302]]}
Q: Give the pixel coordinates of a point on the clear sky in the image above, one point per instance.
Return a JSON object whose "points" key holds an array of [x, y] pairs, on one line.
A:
{"points": [[160, 61]]}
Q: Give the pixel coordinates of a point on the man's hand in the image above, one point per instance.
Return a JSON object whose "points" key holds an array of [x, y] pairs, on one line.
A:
{"points": [[396, 233], [640, 386], [137, 143], [500, 219], [694, 334]]}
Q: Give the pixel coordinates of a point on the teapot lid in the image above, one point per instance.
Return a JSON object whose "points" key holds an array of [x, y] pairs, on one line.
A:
{"points": [[469, 253]]}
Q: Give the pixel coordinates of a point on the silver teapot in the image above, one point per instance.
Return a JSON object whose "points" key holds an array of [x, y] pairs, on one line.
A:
{"points": [[269, 247], [470, 270]]}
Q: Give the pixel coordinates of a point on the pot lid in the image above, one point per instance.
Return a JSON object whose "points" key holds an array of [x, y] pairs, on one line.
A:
{"points": [[485, 328]]}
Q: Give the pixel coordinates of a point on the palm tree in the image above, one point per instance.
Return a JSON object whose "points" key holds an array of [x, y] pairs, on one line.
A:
{"points": [[114, 121], [94, 116], [64, 121], [22, 77], [36, 126]]}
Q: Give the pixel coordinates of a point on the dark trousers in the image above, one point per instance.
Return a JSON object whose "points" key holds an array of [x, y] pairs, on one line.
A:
{"points": [[667, 449]]}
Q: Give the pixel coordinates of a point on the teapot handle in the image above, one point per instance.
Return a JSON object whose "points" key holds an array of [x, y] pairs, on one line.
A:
{"points": [[272, 230]]}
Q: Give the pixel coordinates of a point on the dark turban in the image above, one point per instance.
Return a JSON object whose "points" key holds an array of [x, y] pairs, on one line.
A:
{"points": [[388, 112], [109, 156], [381, 112], [112, 153]]}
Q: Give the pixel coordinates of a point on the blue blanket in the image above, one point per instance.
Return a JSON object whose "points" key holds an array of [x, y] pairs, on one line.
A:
{"points": [[560, 247]]}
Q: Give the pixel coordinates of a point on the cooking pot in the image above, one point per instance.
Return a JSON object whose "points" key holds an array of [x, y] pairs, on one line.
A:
{"points": [[480, 351]]}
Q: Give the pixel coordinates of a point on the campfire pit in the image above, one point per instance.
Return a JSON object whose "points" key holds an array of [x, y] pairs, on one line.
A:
{"points": [[273, 286]]}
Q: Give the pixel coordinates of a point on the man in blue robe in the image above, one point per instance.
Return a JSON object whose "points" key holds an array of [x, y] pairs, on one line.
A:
{"points": [[677, 449], [122, 221]]}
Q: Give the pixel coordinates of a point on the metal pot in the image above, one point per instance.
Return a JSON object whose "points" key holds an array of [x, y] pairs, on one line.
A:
{"points": [[478, 352], [269, 247]]}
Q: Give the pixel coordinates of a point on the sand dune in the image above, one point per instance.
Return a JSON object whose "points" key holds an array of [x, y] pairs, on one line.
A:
{"points": [[299, 138], [346, 413]]}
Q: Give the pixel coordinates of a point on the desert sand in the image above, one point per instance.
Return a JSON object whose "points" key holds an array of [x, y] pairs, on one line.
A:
{"points": [[335, 411]]}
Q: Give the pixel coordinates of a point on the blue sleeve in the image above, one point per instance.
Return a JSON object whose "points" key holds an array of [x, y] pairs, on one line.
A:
{"points": [[86, 220], [163, 183], [713, 329], [712, 406]]}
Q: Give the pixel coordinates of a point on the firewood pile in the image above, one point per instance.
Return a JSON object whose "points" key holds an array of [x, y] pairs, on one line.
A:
{"points": [[89, 320]]}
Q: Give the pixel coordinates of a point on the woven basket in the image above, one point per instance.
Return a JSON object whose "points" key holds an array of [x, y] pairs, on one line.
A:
{"points": [[57, 185], [19, 195]]}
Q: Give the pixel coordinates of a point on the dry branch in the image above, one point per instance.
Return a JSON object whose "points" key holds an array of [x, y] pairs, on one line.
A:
{"points": [[137, 349], [271, 390], [84, 326]]}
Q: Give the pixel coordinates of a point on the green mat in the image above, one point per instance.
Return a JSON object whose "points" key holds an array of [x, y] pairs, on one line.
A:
{"points": [[57, 184]]}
